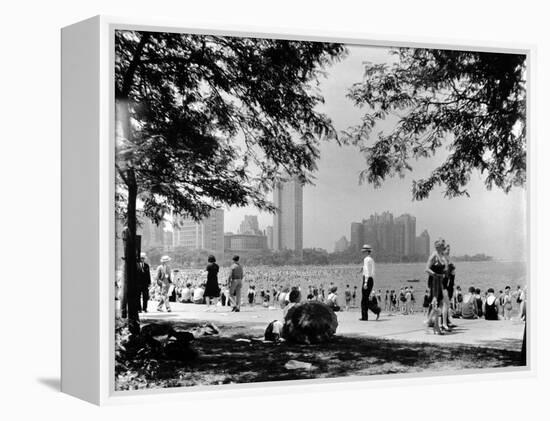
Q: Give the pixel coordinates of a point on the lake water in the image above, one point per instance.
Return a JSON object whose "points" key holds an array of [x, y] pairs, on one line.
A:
{"points": [[483, 275]]}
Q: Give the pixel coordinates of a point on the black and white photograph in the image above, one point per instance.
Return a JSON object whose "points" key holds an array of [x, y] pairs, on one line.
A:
{"points": [[294, 209]]}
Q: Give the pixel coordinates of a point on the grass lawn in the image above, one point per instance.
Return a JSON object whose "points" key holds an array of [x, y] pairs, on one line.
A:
{"points": [[223, 359]]}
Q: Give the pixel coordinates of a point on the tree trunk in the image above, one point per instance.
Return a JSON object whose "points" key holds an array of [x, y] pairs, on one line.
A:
{"points": [[130, 289], [131, 256], [122, 119]]}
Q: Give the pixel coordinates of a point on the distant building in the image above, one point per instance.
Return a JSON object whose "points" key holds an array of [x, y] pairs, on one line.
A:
{"points": [[356, 236], [341, 245], [152, 235], [389, 236], [422, 244], [288, 220], [249, 225], [245, 242], [168, 240], [269, 235], [206, 234], [406, 229]]}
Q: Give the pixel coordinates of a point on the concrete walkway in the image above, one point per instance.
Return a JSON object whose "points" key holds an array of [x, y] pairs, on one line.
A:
{"points": [[501, 334]]}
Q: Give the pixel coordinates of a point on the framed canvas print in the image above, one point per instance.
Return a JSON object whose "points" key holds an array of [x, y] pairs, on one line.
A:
{"points": [[244, 210]]}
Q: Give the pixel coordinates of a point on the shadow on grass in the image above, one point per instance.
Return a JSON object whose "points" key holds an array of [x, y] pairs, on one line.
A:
{"points": [[222, 359]]}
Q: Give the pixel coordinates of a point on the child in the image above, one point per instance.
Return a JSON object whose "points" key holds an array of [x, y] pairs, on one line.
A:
{"points": [[459, 298], [347, 297], [402, 300], [426, 302], [407, 301], [373, 305], [393, 301], [251, 294], [354, 297]]}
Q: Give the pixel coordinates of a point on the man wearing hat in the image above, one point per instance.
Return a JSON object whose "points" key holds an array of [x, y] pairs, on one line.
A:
{"points": [[235, 282], [164, 280], [368, 284], [144, 281]]}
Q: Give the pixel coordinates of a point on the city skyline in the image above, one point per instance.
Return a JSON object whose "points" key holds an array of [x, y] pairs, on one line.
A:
{"points": [[487, 221]]}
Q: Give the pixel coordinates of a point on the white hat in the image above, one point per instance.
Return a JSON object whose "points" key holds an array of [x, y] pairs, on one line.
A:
{"points": [[142, 254], [366, 247], [165, 259]]}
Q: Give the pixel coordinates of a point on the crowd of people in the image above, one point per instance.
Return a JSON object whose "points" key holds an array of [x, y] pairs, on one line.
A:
{"points": [[216, 287]]}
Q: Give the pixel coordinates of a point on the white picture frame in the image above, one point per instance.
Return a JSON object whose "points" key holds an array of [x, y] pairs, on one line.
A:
{"points": [[88, 211]]}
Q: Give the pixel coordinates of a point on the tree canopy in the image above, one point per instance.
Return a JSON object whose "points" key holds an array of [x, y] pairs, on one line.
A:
{"points": [[474, 103], [214, 120], [205, 121]]}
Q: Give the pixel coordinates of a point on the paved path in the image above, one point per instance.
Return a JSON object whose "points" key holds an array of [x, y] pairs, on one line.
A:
{"points": [[502, 334]]}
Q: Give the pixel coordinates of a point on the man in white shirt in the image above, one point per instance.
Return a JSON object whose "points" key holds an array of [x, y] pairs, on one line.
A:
{"points": [[186, 293], [368, 284]]}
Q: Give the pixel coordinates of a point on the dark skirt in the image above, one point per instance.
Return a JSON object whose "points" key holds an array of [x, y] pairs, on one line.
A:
{"points": [[212, 289], [435, 285]]}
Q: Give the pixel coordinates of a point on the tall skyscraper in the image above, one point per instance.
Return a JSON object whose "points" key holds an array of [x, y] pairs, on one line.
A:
{"points": [[356, 236], [206, 234], [422, 246], [405, 235], [288, 220], [269, 235]]}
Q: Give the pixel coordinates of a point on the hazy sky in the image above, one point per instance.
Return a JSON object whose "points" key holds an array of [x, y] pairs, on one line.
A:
{"points": [[490, 222]]}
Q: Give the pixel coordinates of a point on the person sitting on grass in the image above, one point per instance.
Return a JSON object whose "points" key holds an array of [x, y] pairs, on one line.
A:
{"points": [[274, 329], [469, 307], [186, 293], [198, 295], [332, 299], [479, 302]]}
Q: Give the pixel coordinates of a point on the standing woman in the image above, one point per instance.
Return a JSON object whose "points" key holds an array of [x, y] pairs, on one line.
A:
{"points": [[436, 267], [212, 290]]}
